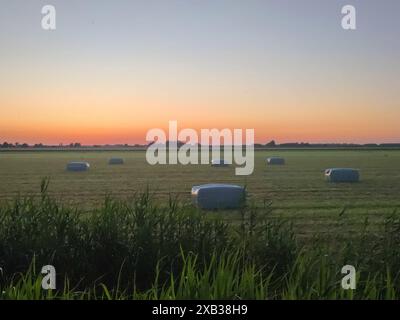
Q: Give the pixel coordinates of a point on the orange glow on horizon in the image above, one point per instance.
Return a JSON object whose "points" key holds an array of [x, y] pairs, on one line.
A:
{"points": [[281, 133], [107, 115]]}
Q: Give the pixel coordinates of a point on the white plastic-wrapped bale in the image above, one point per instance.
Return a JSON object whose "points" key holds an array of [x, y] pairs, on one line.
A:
{"points": [[116, 161], [342, 175], [78, 166], [218, 196], [219, 163], [276, 161]]}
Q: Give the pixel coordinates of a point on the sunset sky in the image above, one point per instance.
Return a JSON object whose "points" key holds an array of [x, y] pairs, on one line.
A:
{"points": [[114, 69]]}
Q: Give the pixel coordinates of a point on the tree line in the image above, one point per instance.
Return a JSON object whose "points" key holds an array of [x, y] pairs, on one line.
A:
{"points": [[7, 145]]}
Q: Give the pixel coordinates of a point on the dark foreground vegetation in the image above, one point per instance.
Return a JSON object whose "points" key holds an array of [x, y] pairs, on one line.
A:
{"points": [[136, 249]]}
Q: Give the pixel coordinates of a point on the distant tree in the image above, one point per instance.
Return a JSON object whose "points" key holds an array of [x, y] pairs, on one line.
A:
{"points": [[271, 144], [74, 145], [304, 144]]}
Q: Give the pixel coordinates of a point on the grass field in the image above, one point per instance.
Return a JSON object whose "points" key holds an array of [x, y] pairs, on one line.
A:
{"points": [[297, 190], [167, 250], [299, 185]]}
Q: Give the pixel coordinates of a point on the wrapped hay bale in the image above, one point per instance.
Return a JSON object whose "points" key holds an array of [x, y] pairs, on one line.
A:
{"points": [[218, 196], [276, 161], [219, 163], [78, 166], [342, 175]]}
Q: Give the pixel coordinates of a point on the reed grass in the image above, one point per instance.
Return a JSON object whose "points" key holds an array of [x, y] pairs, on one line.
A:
{"points": [[137, 249]]}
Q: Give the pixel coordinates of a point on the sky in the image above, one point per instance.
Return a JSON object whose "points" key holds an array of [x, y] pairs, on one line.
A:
{"points": [[112, 70]]}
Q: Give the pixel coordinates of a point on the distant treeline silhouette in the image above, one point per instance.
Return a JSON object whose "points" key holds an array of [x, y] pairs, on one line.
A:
{"points": [[37, 145], [271, 144]]}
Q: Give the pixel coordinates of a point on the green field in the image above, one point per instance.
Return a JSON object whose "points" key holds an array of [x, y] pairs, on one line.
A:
{"points": [[149, 248], [299, 185], [297, 190]]}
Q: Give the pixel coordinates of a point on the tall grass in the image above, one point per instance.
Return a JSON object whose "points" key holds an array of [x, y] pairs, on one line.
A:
{"points": [[135, 249]]}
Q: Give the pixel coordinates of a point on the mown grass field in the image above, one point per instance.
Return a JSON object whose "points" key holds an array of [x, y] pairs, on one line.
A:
{"points": [[297, 190], [289, 242]]}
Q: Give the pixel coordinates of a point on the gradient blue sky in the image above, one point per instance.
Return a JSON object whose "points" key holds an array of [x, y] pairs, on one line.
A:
{"points": [[114, 69]]}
